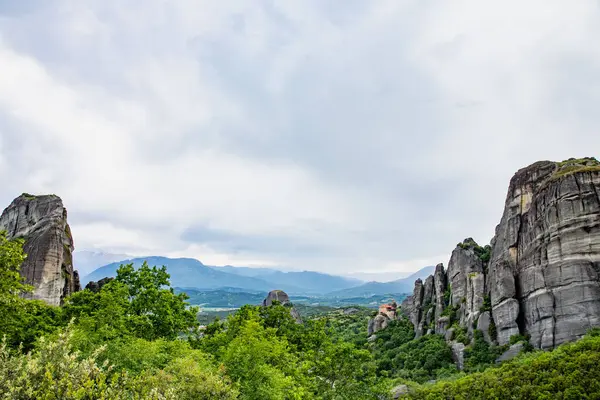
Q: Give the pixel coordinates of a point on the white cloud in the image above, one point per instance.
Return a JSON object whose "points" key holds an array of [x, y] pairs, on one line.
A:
{"points": [[369, 137]]}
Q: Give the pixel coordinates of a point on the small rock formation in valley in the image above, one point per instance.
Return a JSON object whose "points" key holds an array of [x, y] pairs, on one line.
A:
{"points": [[42, 222], [97, 286], [282, 298], [538, 278], [385, 314]]}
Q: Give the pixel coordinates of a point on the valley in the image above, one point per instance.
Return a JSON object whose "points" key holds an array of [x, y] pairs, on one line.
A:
{"points": [[499, 319]]}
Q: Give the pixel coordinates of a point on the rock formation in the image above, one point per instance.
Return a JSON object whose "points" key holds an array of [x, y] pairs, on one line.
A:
{"points": [[97, 286], [385, 314], [543, 274], [42, 222], [540, 275], [282, 298]]}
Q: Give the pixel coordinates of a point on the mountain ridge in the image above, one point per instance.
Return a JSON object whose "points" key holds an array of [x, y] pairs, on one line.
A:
{"points": [[192, 273]]}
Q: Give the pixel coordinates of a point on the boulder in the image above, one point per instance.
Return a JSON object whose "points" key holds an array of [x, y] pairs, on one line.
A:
{"points": [[282, 298], [380, 322], [97, 286], [399, 391], [511, 353]]}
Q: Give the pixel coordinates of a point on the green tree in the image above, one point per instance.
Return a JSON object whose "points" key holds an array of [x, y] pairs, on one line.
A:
{"points": [[137, 303], [23, 321], [11, 258]]}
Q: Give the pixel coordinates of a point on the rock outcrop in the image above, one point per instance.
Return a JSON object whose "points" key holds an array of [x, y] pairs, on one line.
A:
{"points": [[540, 277], [281, 297], [543, 275], [385, 314], [97, 286], [42, 222]]}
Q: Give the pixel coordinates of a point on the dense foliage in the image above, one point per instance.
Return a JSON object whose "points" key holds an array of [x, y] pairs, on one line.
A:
{"points": [[349, 325], [569, 372], [136, 338]]}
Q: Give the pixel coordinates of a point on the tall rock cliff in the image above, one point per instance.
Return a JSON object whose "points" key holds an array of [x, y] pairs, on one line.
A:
{"points": [[42, 222], [540, 277], [543, 274]]}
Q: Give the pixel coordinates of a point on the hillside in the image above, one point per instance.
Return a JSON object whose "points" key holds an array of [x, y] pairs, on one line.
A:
{"points": [[88, 261], [404, 285], [310, 281], [191, 273]]}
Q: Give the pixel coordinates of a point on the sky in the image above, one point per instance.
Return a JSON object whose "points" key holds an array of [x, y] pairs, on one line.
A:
{"points": [[337, 136]]}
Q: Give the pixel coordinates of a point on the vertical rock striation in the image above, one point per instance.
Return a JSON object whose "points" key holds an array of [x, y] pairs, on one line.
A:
{"points": [[545, 261], [42, 222], [541, 275]]}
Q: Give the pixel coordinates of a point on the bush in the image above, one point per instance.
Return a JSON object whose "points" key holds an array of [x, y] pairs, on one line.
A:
{"points": [[56, 372], [420, 359], [480, 354], [569, 372]]}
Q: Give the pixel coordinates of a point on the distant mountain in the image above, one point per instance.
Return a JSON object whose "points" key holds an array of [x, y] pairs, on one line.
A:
{"points": [[86, 261], [404, 285], [314, 282], [191, 273], [222, 298], [377, 276], [310, 281], [256, 272]]}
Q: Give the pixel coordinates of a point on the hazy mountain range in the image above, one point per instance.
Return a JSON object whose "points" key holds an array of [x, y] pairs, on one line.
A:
{"points": [[87, 260], [404, 285], [191, 273]]}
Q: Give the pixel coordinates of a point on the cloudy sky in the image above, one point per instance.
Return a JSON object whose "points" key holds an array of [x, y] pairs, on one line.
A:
{"points": [[328, 135]]}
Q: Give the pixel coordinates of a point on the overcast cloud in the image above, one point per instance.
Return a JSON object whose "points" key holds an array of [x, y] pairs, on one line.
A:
{"points": [[336, 136]]}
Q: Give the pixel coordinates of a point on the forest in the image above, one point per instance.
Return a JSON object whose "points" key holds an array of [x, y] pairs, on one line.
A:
{"points": [[136, 338]]}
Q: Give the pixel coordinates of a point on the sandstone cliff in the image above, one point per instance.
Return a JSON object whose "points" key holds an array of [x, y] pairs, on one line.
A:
{"points": [[543, 274], [540, 275], [42, 222]]}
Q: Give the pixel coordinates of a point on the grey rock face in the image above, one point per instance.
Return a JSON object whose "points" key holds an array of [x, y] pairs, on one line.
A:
{"points": [[283, 298], [543, 275], [428, 291], [380, 322], [97, 286], [440, 285], [483, 324], [278, 296], [371, 327], [458, 354], [442, 324], [42, 222], [511, 353], [399, 391], [467, 280], [412, 307]]}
